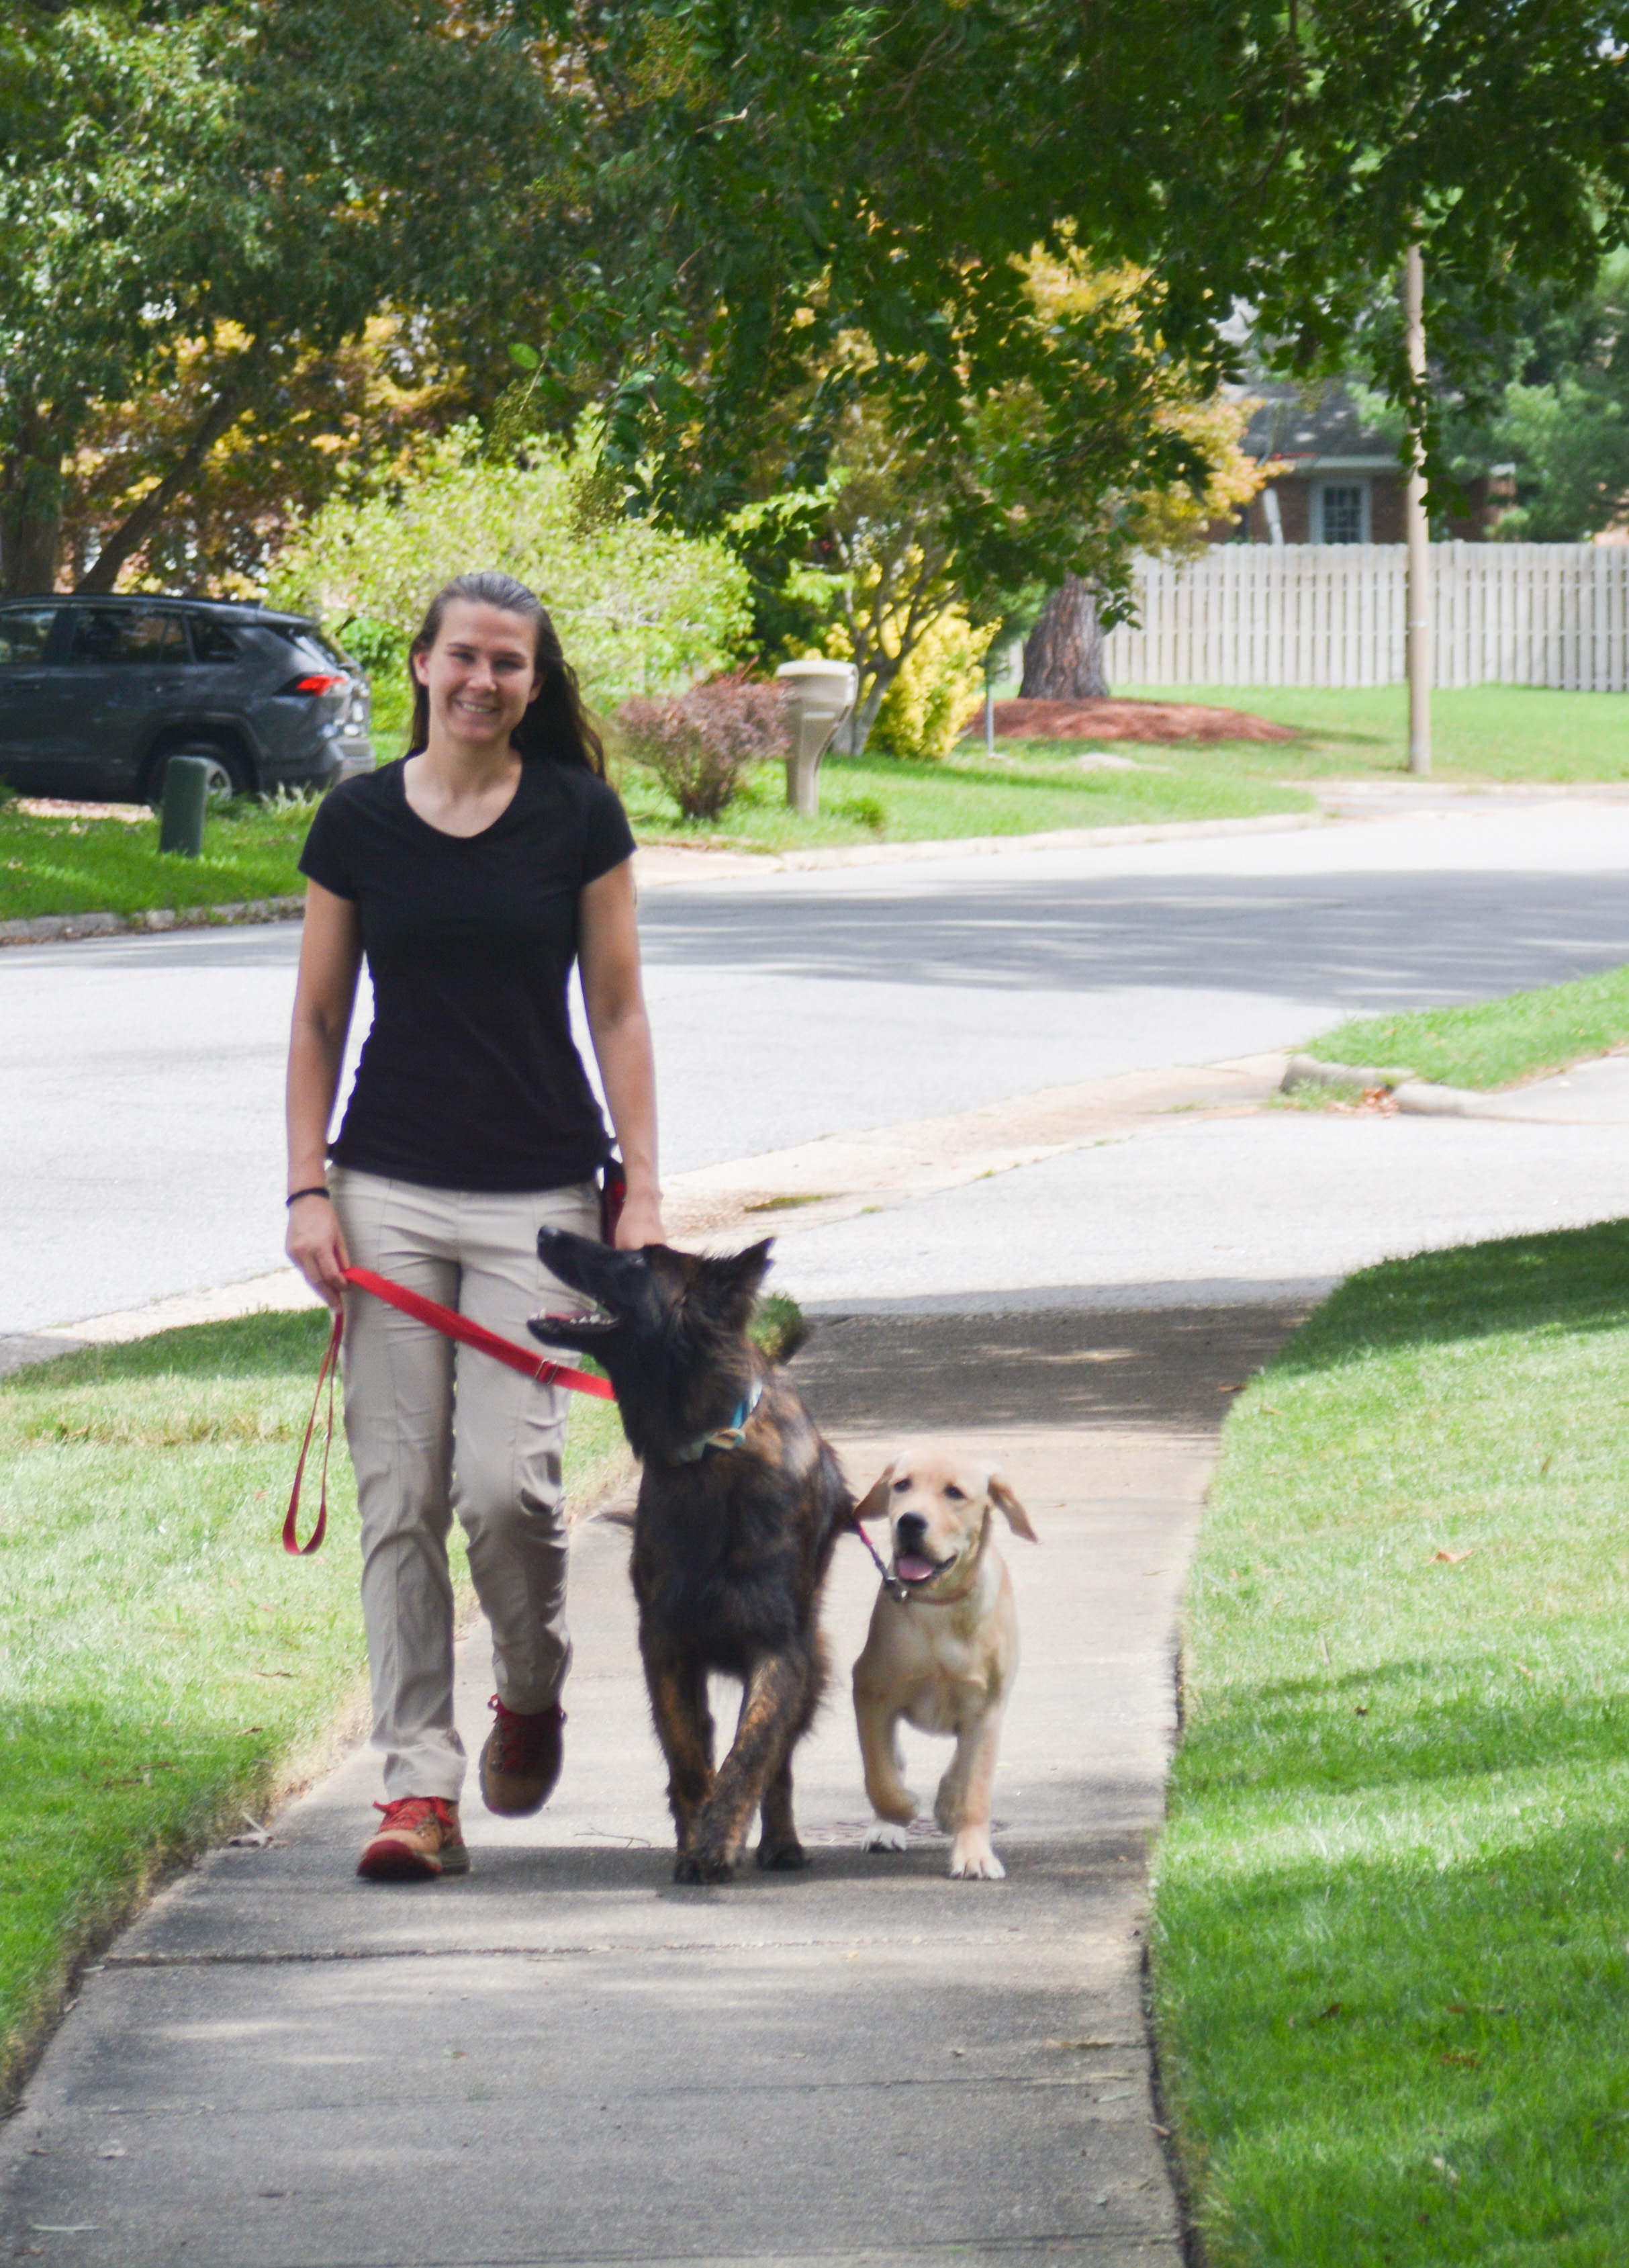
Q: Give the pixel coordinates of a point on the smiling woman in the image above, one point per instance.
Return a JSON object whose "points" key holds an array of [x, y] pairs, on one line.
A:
{"points": [[473, 874]]}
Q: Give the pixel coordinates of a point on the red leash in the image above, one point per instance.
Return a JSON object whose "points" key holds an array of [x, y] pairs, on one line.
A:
{"points": [[453, 1326]]}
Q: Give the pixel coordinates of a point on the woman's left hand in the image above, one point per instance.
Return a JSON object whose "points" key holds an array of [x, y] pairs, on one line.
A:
{"points": [[641, 1223]]}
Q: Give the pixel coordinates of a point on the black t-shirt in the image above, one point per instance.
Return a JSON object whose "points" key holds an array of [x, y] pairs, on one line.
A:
{"points": [[470, 1079]]}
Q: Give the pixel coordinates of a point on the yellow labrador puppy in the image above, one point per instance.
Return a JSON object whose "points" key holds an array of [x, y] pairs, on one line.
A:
{"points": [[943, 1650]]}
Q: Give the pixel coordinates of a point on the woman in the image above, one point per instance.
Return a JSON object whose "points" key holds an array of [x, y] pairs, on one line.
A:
{"points": [[472, 873]]}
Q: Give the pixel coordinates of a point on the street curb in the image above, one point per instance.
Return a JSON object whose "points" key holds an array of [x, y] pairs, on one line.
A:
{"points": [[62, 929], [1310, 1071], [736, 863], [1422, 1096]]}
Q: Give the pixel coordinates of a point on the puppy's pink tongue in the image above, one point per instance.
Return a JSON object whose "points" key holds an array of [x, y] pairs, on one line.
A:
{"points": [[913, 1570]]}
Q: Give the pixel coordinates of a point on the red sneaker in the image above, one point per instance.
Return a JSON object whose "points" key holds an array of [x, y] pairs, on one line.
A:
{"points": [[520, 1762], [421, 1838]]}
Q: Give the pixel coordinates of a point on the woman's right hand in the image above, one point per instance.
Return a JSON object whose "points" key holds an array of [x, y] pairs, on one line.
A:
{"points": [[317, 1248]]}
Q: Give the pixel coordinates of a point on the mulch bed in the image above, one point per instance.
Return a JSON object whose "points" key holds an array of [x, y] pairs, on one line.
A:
{"points": [[1126, 720]]}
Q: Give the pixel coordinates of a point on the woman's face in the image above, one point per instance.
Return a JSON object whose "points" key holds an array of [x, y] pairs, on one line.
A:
{"points": [[480, 673]]}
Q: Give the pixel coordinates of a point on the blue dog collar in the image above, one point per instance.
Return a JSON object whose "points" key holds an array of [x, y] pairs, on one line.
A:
{"points": [[727, 1437]]}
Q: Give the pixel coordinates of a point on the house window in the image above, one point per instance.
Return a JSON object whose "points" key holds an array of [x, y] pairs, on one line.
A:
{"points": [[1343, 511]]}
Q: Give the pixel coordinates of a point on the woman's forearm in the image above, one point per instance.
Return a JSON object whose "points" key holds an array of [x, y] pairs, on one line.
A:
{"points": [[316, 1054], [608, 952], [628, 1070]]}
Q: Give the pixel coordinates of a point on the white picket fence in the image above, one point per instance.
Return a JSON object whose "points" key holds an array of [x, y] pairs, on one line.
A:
{"points": [[1332, 614]]}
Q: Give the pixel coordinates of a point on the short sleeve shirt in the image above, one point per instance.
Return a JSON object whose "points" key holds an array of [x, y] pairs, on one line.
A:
{"points": [[470, 1077]]}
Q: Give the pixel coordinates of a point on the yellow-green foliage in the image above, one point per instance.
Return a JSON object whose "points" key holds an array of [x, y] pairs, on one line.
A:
{"points": [[927, 706], [638, 608]]}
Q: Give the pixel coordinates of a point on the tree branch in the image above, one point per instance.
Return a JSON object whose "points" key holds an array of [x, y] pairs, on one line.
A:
{"points": [[128, 537]]}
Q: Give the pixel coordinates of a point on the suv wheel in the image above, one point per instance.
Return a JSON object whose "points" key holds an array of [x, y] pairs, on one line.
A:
{"points": [[227, 775]]}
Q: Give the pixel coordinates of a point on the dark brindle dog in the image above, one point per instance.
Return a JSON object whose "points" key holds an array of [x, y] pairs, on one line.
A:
{"points": [[740, 1504]]}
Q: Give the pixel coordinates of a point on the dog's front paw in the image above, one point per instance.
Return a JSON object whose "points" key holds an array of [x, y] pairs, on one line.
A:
{"points": [[784, 1857], [972, 1860], [885, 1835], [702, 1865]]}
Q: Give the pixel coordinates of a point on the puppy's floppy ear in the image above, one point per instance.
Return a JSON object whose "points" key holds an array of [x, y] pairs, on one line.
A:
{"points": [[874, 1503], [1018, 1518]]}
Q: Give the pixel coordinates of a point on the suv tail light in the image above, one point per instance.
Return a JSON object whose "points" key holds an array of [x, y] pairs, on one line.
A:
{"points": [[320, 681]]}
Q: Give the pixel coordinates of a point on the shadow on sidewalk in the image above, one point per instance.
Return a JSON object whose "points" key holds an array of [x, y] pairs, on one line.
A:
{"points": [[1167, 1370]]}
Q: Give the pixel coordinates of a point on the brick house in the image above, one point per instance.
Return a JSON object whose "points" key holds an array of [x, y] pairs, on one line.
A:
{"points": [[1334, 479]]}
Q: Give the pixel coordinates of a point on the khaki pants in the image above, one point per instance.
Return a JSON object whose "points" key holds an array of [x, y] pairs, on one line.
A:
{"points": [[433, 1431]]}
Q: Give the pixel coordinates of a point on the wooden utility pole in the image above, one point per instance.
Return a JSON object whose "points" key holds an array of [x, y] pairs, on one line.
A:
{"points": [[1419, 528]]}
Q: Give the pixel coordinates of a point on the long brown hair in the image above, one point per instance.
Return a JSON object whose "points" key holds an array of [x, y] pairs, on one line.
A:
{"points": [[556, 724]]}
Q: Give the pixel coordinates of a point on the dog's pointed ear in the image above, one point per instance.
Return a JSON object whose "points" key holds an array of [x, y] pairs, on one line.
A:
{"points": [[750, 1267], [874, 1503], [1018, 1518], [731, 1283]]}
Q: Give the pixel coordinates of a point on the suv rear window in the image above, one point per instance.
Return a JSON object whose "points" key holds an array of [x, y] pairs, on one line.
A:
{"points": [[306, 638], [118, 634], [211, 642], [22, 633]]}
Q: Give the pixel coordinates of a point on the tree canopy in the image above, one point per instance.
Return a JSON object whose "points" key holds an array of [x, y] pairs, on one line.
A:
{"points": [[679, 209], [755, 181], [215, 191]]}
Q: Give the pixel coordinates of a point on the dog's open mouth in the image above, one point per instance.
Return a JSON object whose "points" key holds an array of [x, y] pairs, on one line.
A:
{"points": [[576, 1320], [913, 1567]]}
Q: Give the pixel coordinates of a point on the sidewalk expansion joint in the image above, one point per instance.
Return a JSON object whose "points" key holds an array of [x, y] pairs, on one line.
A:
{"points": [[1149, 2243], [294, 1959]]}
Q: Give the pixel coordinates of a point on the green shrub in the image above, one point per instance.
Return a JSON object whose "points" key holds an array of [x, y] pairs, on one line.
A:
{"points": [[923, 712], [638, 608]]}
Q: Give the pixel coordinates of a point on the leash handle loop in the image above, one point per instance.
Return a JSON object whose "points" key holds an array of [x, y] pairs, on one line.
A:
{"points": [[453, 1326], [291, 1524]]}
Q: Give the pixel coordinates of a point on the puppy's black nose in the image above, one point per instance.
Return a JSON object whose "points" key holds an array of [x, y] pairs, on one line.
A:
{"points": [[911, 1527]]}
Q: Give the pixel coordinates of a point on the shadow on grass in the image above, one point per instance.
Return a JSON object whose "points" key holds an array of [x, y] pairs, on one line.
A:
{"points": [[1574, 1280], [1389, 1963], [99, 1799], [1422, 1724], [1418, 2059], [253, 1346]]}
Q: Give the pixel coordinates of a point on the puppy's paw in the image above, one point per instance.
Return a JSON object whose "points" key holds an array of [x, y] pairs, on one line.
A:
{"points": [[782, 1858], [885, 1835], [972, 1860]]}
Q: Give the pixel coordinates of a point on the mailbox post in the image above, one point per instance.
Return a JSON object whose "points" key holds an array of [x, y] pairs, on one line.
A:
{"points": [[820, 694]]}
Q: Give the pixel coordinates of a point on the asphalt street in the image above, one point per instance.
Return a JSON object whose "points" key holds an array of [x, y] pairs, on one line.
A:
{"points": [[140, 1079]]}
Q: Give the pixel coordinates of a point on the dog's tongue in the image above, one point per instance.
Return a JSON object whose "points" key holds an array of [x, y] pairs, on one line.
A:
{"points": [[915, 1570]]}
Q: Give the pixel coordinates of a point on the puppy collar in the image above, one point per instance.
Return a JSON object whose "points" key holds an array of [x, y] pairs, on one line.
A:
{"points": [[727, 1437]]}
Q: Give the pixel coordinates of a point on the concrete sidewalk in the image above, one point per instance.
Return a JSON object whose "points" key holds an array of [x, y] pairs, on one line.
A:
{"points": [[566, 2057]]}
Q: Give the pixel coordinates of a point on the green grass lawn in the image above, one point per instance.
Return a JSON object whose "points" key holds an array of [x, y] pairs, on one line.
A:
{"points": [[163, 1662], [1478, 731], [1389, 1967], [64, 866], [1037, 787], [1494, 1042]]}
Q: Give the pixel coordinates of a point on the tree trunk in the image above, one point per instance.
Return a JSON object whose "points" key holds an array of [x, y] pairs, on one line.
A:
{"points": [[857, 731], [1063, 653], [30, 509]]}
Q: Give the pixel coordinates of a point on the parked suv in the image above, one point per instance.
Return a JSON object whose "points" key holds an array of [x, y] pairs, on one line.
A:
{"points": [[96, 694]]}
